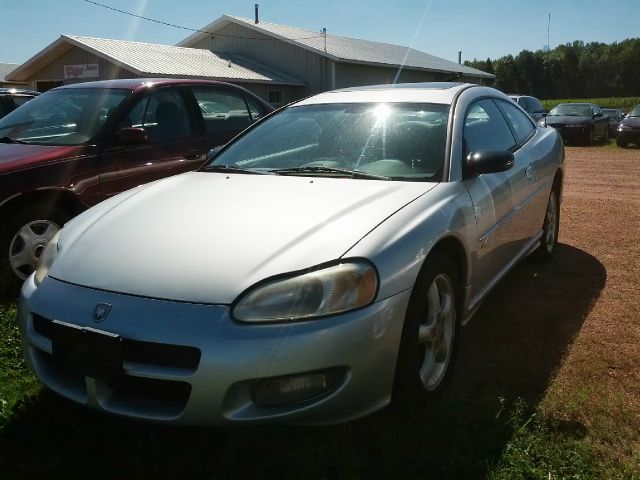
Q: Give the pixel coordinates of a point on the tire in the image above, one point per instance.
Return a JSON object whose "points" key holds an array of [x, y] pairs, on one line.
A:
{"points": [[588, 139], [27, 233], [605, 137], [430, 332], [621, 142], [550, 229]]}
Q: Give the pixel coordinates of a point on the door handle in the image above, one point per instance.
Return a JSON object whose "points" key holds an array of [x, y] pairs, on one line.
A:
{"points": [[530, 173]]}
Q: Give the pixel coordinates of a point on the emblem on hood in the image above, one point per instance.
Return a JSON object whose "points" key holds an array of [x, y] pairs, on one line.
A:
{"points": [[101, 311]]}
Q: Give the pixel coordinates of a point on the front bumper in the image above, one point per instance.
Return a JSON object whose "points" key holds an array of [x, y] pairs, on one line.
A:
{"points": [[629, 136], [573, 133], [163, 381]]}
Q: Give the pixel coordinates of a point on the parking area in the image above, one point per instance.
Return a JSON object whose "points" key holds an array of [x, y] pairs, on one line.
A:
{"points": [[564, 337]]}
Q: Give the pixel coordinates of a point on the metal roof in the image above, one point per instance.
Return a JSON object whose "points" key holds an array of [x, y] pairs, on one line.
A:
{"points": [[6, 68], [149, 59], [343, 49]]}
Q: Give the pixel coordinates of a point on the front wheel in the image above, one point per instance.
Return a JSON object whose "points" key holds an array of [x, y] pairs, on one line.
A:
{"points": [[605, 137], [621, 142], [28, 232], [430, 331], [550, 229], [588, 139]]}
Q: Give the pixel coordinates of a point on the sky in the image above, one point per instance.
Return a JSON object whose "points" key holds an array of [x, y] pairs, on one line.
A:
{"points": [[480, 28]]}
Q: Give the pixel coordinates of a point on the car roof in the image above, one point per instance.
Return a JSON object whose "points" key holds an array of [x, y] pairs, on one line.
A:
{"points": [[141, 83], [429, 92]]}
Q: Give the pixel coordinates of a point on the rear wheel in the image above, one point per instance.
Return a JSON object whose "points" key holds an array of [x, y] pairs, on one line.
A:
{"points": [[27, 234], [550, 229], [431, 330]]}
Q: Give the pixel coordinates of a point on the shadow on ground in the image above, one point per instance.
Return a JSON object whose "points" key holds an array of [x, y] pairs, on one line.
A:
{"points": [[510, 350]]}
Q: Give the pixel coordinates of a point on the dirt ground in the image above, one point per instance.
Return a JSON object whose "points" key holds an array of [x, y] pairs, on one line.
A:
{"points": [[566, 336]]}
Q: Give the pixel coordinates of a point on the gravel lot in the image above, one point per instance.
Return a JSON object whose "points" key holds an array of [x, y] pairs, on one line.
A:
{"points": [[566, 335]]}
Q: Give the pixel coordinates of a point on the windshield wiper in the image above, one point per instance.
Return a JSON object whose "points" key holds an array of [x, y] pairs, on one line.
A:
{"points": [[11, 140], [233, 169], [345, 172]]}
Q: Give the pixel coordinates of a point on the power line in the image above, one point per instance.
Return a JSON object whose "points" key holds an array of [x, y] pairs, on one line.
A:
{"points": [[154, 20]]}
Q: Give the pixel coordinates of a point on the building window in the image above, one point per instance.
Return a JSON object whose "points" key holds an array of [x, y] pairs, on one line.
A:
{"points": [[275, 97]]}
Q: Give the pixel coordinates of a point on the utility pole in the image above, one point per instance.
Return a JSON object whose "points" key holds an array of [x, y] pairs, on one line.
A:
{"points": [[548, 30]]}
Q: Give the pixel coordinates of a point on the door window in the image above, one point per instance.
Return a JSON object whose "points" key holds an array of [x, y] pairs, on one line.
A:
{"points": [[520, 123], [223, 111], [163, 115], [486, 129]]}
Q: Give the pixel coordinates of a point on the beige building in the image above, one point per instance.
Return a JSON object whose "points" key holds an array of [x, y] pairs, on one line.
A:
{"points": [[278, 62]]}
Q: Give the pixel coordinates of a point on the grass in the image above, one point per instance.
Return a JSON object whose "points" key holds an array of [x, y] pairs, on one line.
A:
{"points": [[623, 103], [16, 383]]}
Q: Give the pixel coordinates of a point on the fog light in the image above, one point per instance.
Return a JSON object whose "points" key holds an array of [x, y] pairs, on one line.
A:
{"points": [[296, 388]]}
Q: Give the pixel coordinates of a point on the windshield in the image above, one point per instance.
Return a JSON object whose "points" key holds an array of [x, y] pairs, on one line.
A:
{"points": [[62, 117], [572, 110], [635, 112], [392, 141]]}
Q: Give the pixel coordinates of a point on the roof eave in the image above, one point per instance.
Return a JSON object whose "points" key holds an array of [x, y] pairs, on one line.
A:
{"points": [[411, 67]]}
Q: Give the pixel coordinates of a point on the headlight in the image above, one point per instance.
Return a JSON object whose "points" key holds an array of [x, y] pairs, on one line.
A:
{"points": [[326, 291], [49, 254]]}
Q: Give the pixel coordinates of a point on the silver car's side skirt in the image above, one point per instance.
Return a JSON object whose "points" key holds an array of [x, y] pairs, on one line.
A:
{"points": [[476, 301]]}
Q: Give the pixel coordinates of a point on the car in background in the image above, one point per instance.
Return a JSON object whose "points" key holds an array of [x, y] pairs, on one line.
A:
{"points": [[531, 105], [12, 98], [322, 261], [629, 129], [77, 145], [615, 117], [578, 122]]}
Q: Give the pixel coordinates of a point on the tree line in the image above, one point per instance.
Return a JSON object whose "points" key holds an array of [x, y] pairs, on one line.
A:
{"points": [[572, 70]]}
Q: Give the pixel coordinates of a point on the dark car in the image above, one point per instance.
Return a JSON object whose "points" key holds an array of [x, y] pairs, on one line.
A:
{"points": [[615, 117], [531, 105], [629, 129], [77, 145], [578, 122], [12, 98]]}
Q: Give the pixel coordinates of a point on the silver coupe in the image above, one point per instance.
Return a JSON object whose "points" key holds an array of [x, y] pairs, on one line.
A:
{"points": [[322, 261]]}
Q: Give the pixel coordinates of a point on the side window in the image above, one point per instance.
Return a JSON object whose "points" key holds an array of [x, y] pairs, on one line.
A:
{"points": [[596, 109], [223, 111], [20, 100], [534, 105], [522, 101], [486, 129], [163, 114], [520, 123]]}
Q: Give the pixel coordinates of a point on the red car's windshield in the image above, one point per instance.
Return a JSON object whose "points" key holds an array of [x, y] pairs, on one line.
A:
{"points": [[62, 117]]}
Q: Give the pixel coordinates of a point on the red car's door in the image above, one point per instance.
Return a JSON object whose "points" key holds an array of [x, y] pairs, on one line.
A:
{"points": [[174, 142]]}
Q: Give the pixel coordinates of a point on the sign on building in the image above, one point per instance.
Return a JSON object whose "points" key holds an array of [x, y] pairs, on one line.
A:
{"points": [[88, 70]]}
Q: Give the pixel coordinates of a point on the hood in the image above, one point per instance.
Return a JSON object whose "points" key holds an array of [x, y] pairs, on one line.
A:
{"points": [[566, 120], [633, 122], [17, 156], [205, 237]]}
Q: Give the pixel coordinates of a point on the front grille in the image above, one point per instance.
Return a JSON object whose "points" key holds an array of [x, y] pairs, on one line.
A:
{"points": [[136, 351], [116, 390]]}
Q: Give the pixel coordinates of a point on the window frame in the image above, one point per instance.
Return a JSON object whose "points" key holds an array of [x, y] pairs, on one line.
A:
{"points": [[515, 145]]}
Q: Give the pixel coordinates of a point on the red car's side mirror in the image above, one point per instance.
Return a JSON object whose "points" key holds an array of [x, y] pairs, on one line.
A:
{"points": [[131, 136]]}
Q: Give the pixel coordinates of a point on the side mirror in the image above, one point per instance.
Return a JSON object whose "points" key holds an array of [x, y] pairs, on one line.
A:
{"points": [[213, 152], [131, 136], [599, 114], [488, 161]]}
